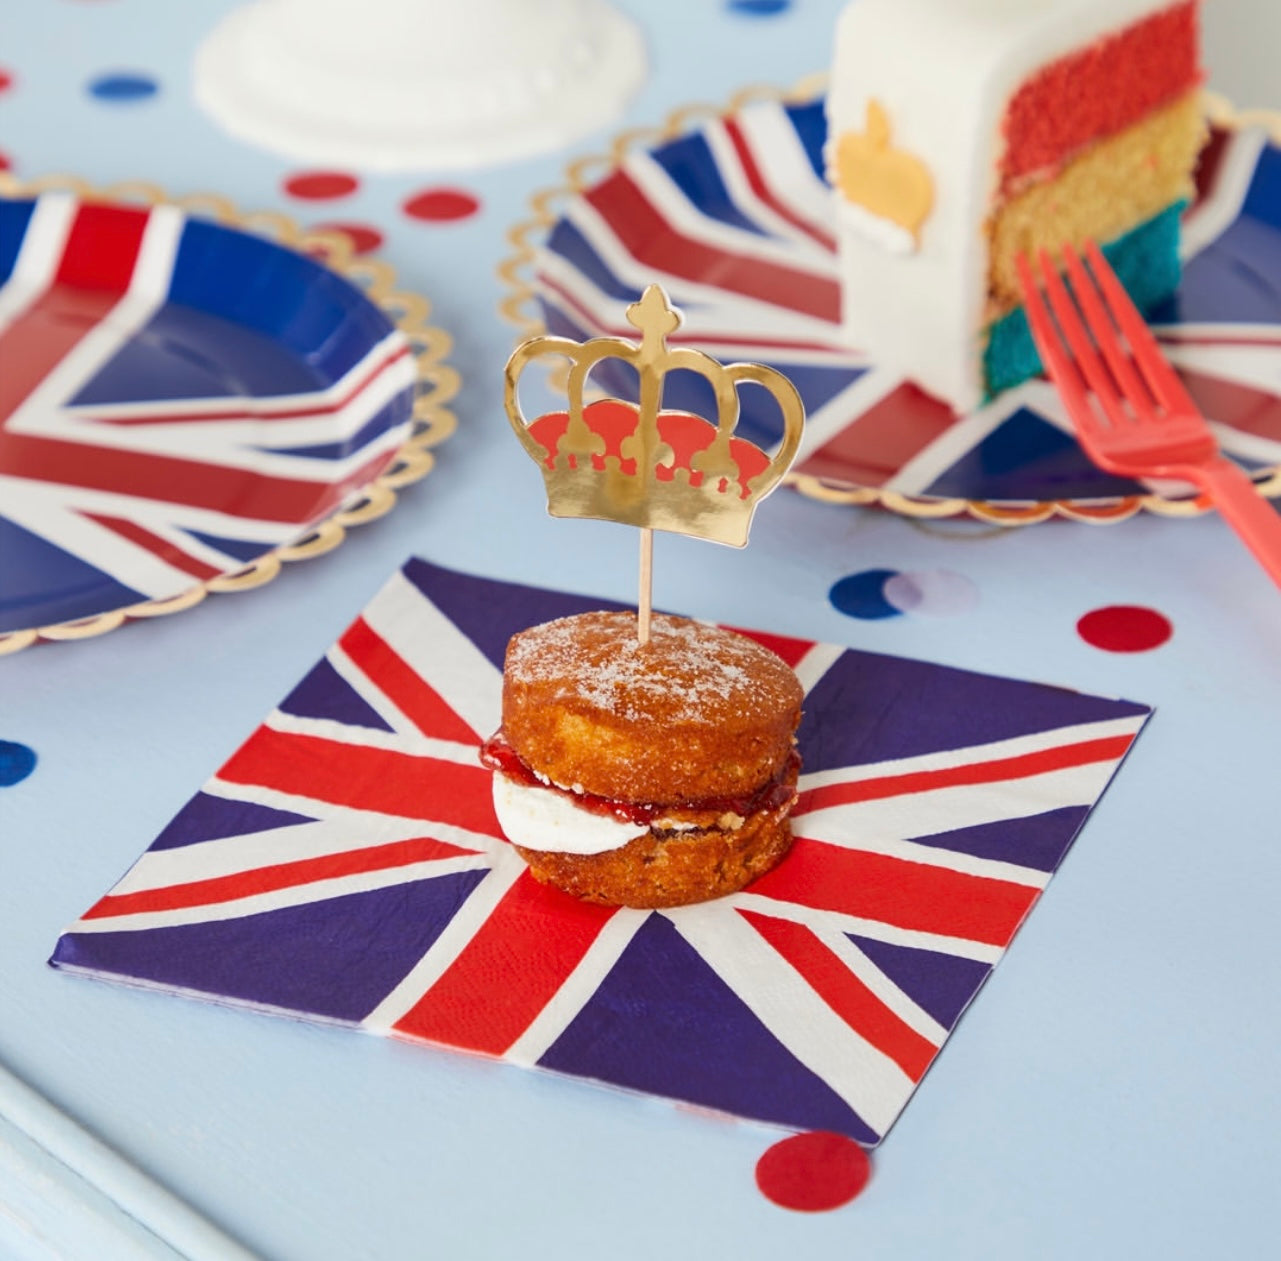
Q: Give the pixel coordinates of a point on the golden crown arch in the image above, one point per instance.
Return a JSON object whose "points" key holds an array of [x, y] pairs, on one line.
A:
{"points": [[583, 480]]}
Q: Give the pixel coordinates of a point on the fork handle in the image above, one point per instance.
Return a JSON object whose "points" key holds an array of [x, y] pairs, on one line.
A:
{"points": [[1253, 517]]}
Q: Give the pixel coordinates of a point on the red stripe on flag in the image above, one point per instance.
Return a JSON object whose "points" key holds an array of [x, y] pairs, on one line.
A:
{"points": [[157, 546], [403, 685], [102, 247], [509, 971], [908, 895], [36, 342], [588, 319], [1209, 164], [1245, 408], [756, 182], [1106, 749], [238, 492], [97, 262], [793, 651], [845, 994], [365, 778], [652, 240], [246, 884], [876, 445]]}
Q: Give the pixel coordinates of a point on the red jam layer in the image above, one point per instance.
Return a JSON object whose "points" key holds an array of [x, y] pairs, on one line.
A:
{"points": [[498, 755]]}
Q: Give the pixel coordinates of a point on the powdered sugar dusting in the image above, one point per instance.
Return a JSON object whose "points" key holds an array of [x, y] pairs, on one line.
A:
{"points": [[688, 670]]}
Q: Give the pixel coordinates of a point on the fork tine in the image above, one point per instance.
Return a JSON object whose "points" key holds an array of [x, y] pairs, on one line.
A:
{"points": [[1091, 366], [1057, 361], [1157, 371], [1101, 326]]}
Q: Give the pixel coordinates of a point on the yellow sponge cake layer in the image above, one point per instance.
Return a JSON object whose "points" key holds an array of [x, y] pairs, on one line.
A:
{"points": [[1115, 184]]}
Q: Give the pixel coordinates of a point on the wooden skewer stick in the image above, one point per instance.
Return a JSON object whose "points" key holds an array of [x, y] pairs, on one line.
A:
{"points": [[645, 597]]}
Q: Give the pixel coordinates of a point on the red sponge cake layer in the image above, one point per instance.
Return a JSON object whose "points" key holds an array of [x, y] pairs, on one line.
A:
{"points": [[1099, 91]]}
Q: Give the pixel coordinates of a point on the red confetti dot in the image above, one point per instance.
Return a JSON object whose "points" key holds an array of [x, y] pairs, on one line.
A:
{"points": [[363, 238], [441, 205], [6, 163], [814, 1172], [1125, 628], [321, 185], [6, 80]]}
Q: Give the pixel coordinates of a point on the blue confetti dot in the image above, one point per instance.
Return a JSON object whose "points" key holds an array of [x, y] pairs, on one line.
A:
{"points": [[123, 88], [759, 8], [863, 594], [16, 762]]}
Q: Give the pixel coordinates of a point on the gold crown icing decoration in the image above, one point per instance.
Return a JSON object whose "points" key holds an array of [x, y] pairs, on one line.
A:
{"points": [[619, 461], [889, 183]]}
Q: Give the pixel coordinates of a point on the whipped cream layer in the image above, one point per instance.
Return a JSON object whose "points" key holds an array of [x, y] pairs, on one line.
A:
{"points": [[544, 819]]}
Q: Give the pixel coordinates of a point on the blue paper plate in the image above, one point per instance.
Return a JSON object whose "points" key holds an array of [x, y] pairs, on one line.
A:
{"points": [[179, 399]]}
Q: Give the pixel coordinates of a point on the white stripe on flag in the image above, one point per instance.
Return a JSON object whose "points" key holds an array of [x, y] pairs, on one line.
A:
{"points": [[880, 825], [789, 324], [785, 165], [978, 754], [1207, 221], [866, 1078], [279, 899], [61, 498], [749, 203], [905, 1008], [1241, 365], [57, 514], [690, 220], [824, 921], [148, 288], [738, 326], [453, 940], [910, 851], [816, 663], [577, 988], [1229, 333], [437, 650], [270, 406], [245, 442], [38, 256], [234, 855], [316, 808], [410, 742]]}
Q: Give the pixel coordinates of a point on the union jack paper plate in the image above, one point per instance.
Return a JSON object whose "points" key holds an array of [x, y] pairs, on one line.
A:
{"points": [[731, 214], [184, 403], [345, 865]]}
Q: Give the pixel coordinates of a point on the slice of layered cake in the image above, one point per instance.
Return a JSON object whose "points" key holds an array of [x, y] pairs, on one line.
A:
{"points": [[963, 132]]}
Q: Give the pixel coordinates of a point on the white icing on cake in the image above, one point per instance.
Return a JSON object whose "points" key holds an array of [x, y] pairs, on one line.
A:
{"points": [[880, 231], [544, 819], [944, 71]]}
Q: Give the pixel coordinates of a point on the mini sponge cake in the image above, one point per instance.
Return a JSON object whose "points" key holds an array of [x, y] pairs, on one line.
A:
{"points": [[645, 775]]}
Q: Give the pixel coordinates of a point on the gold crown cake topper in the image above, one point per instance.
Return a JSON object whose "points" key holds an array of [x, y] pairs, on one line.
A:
{"points": [[639, 463]]}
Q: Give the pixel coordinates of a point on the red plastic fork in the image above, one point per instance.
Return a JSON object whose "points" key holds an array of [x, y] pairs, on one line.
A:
{"points": [[1132, 414]]}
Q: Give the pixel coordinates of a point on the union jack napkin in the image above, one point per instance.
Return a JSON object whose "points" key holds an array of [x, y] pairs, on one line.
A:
{"points": [[345, 865]]}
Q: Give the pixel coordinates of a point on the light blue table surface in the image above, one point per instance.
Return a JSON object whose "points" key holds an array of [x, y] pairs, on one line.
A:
{"points": [[1112, 1093]]}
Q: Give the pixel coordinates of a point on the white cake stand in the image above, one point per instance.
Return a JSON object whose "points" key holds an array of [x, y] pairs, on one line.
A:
{"points": [[399, 85]]}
